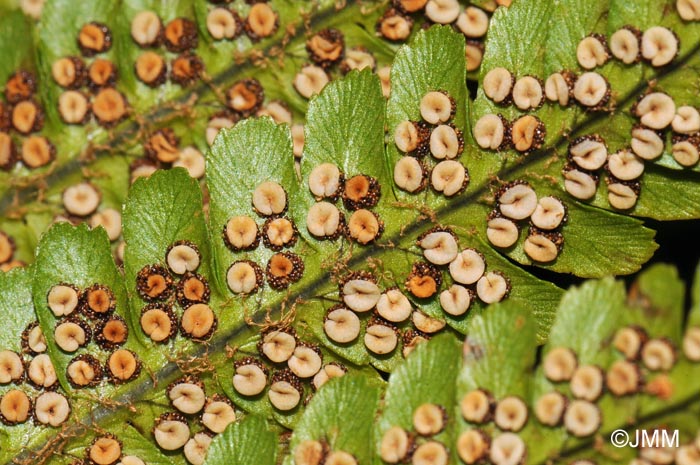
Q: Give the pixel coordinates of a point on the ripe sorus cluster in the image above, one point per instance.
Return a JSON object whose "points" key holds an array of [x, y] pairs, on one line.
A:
{"points": [[588, 155], [509, 414], [417, 446], [179, 36], [524, 134], [528, 93], [657, 46], [285, 366], [156, 284], [434, 135], [359, 194], [624, 168], [224, 23], [99, 76], [82, 316], [36, 394], [182, 428], [516, 202], [364, 306], [242, 234], [21, 117], [467, 270], [90, 314]]}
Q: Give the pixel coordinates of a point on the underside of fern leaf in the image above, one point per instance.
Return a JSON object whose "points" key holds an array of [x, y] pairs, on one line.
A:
{"points": [[215, 209]]}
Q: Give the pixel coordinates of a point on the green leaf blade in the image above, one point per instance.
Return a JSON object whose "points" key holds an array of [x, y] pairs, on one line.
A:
{"points": [[78, 256], [17, 310], [160, 210], [501, 351], [427, 376], [341, 414], [345, 126], [242, 443]]}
